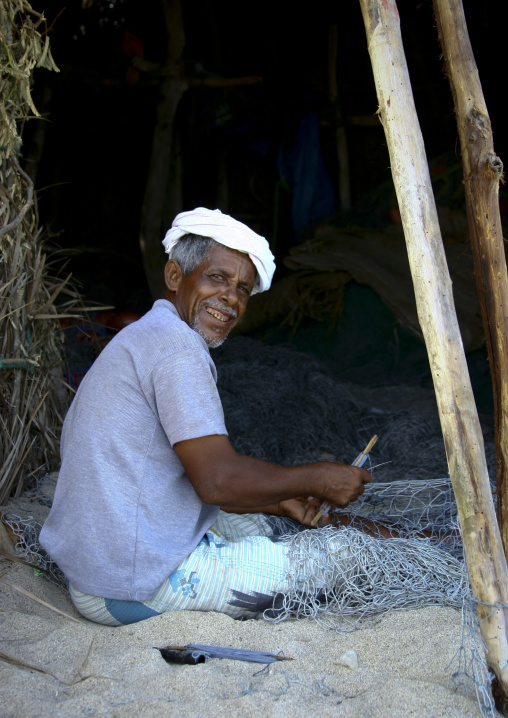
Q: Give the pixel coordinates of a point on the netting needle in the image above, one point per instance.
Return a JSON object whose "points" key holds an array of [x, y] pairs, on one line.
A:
{"points": [[359, 461]]}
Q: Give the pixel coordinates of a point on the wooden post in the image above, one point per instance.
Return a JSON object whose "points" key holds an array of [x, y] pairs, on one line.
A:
{"points": [[338, 121], [172, 89], [436, 312], [163, 171], [482, 172]]}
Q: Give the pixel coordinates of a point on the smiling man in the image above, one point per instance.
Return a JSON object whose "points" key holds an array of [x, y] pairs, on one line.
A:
{"points": [[213, 297], [147, 465]]}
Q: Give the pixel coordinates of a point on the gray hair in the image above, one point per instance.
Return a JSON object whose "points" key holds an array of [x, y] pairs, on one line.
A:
{"points": [[191, 250]]}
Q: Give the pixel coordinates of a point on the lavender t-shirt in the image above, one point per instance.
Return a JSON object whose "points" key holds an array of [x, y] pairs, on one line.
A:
{"points": [[125, 515]]}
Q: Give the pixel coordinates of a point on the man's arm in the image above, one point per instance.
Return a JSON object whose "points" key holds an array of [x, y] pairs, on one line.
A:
{"points": [[221, 476]]}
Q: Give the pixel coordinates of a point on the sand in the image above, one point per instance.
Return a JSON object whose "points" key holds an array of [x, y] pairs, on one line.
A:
{"points": [[54, 666], [405, 664]]}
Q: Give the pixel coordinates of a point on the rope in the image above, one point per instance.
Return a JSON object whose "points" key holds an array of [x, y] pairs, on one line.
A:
{"points": [[28, 364]]}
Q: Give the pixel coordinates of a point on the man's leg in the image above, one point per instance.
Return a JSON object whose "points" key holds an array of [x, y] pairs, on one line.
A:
{"points": [[237, 568], [242, 569]]}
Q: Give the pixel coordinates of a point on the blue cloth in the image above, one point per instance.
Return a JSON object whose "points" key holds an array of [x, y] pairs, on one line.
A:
{"points": [[304, 170]]}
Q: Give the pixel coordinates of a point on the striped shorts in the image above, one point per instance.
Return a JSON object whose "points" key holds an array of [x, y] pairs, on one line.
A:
{"points": [[238, 568]]}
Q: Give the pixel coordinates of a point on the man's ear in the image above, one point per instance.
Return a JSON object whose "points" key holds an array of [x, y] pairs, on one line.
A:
{"points": [[173, 275]]}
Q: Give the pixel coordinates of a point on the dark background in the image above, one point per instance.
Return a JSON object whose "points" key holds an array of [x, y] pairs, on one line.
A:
{"points": [[92, 170], [90, 159]]}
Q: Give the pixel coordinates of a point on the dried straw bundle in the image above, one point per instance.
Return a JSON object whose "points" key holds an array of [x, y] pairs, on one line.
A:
{"points": [[301, 295], [23, 47], [30, 339]]}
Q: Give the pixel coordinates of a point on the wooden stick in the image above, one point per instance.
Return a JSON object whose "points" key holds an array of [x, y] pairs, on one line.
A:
{"points": [[483, 171], [224, 81], [171, 91], [340, 129], [20, 662], [357, 461], [39, 600], [462, 434]]}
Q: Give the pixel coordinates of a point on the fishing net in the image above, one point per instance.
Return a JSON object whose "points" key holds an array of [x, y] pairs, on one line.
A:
{"points": [[288, 408], [25, 534], [344, 578], [23, 521], [472, 669]]}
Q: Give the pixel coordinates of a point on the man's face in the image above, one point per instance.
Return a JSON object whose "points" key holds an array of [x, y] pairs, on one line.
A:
{"points": [[212, 299]]}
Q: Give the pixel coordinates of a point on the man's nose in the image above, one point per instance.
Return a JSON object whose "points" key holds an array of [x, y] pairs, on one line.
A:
{"points": [[229, 294]]}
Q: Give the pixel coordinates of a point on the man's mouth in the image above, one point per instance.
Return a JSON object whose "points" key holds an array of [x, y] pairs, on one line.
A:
{"points": [[213, 333], [218, 315], [222, 314]]}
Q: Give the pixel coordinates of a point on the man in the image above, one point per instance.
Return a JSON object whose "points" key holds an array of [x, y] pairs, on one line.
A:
{"points": [[146, 460]]}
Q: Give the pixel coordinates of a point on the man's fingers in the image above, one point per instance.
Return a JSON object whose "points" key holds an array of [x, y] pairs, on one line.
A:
{"points": [[345, 484], [314, 501], [366, 476]]}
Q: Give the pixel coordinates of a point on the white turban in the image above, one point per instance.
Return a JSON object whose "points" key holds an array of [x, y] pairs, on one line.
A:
{"points": [[229, 232]]}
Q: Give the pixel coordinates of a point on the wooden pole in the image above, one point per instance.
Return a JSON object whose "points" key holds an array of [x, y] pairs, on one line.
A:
{"points": [[338, 121], [172, 89], [482, 172], [436, 311], [163, 170]]}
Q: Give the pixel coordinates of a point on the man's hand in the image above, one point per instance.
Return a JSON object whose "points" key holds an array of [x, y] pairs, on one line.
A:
{"points": [[341, 483], [302, 509]]}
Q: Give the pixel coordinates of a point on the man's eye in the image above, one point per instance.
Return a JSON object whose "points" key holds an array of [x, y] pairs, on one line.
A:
{"points": [[245, 290]]}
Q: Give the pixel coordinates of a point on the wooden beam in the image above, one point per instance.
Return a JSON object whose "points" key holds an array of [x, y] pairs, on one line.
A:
{"points": [[363, 120], [159, 70], [356, 120], [483, 171], [436, 311]]}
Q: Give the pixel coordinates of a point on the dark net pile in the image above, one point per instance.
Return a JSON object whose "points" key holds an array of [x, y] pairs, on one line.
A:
{"points": [[285, 407], [288, 408]]}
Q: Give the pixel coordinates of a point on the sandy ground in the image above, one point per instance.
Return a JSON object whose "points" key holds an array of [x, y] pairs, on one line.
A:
{"points": [[405, 664], [53, 666]]}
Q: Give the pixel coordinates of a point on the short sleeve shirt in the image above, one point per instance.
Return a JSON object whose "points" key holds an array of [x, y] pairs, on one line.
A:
{"points": [[125, 514]]}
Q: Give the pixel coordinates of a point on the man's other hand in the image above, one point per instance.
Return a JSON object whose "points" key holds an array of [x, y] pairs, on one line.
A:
{"points": [[302, 509]]}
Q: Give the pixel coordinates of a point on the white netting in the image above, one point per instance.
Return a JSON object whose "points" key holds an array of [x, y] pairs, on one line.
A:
{"points": [[343, 578]]}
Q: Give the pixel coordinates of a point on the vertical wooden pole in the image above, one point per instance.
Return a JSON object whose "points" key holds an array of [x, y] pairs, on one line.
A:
{"points": [[338, 120], [463, 439], [483, 171], [172, 89]]}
